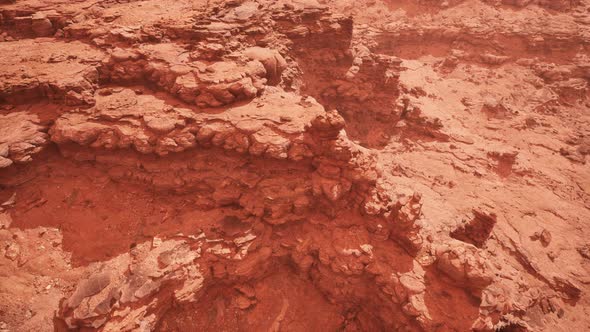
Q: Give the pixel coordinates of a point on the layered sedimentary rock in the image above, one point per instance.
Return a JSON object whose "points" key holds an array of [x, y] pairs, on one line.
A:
{"points": [[47, 69], [23, 137], [294, 165]]}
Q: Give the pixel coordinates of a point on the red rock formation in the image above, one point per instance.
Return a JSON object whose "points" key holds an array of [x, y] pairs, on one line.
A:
{"points": [[412, 165]]}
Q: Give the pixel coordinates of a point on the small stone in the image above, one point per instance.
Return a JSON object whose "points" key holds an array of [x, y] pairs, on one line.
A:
{"points": [[367, 248], [29, 314], [243, 302], [246, 290], [12, 251], [545, 237]]}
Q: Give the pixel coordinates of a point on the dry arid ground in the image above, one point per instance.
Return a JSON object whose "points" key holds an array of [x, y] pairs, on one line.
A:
{"points": [[295, 165]]}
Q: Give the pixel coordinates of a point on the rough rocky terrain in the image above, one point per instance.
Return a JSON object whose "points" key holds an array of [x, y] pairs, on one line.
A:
{"points": [[294, 165]]}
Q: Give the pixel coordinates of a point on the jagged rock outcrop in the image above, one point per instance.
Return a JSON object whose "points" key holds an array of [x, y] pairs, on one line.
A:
{"points": [[22, 137], [108, 298]]}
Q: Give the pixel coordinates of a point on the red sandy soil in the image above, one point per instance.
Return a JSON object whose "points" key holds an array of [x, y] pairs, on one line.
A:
{"points": [[294, 165]]}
